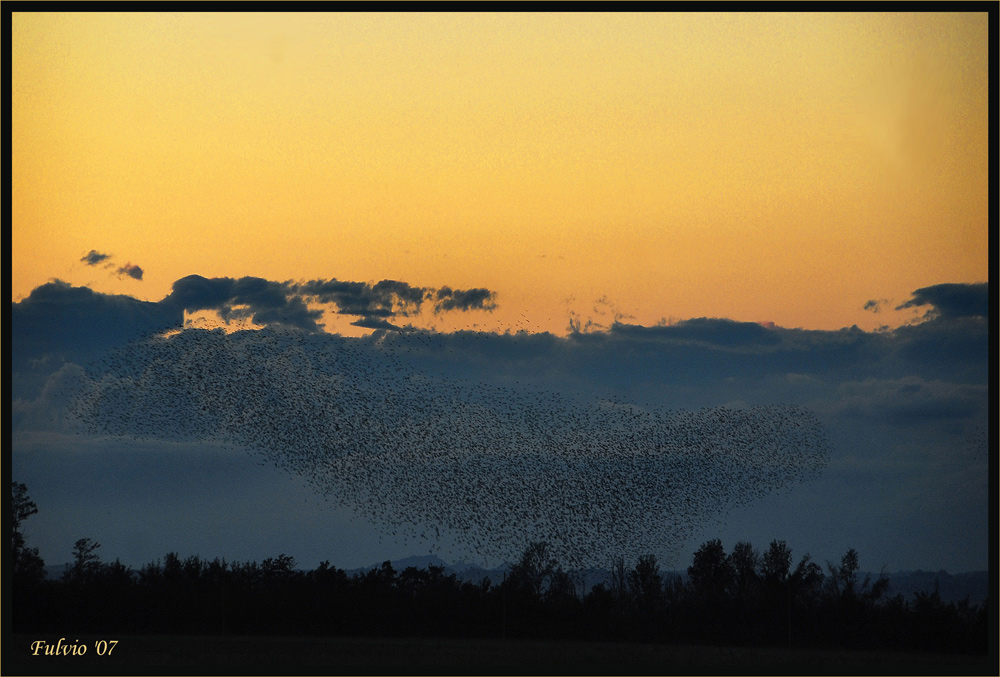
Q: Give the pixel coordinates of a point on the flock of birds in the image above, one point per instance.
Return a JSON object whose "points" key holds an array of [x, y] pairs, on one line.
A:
{"points": [[488, 464]]}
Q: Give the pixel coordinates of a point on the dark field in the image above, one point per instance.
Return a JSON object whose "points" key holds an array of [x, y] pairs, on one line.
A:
{"points": [[346, 654]]}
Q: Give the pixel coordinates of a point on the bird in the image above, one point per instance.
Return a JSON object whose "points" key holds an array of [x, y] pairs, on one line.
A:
{"points": [[447, 438]]}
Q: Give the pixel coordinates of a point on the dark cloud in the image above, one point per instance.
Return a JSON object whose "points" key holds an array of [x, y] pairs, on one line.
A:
{"points": [[875, 305], [407, 295], [345, 295], [285, 303], [194, 293], [263, 301], [951, 301], [374, 323], [257, 292], [468, 299], [944, 348], [384, 299], [93, 257], [911, 403], [131, 270], [58, 322], [292, 313], [718, 332]]}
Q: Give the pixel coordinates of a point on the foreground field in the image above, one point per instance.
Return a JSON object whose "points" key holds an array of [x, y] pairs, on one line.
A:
{"points": [[344, 654]]}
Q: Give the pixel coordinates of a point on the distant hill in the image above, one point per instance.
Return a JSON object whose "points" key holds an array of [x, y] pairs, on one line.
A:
{"points": [[951, 587]]}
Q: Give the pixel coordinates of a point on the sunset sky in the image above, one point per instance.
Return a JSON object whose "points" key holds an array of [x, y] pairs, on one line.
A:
{"points": [[688, 211], [781, 168]]}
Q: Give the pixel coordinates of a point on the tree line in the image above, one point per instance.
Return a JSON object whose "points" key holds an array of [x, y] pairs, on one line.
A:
{"points": [[740, 597]]}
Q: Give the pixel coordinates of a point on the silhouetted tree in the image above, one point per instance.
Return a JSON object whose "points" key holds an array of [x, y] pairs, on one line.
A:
{"points": [[843, 581], [561, 587], [28, 566], [720, 603], [327, 575], [645, 584], [619, 580], [776, 563], [381, 578], [86, 561], [775, 569], [534, 570], [806, 581], [412, 581], [22, 508], [562, 603], [710, 578], [745, 561], [711, 573], [843, 578], [281, 568]]}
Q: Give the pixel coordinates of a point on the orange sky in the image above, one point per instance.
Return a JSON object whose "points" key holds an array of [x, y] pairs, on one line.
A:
{"points": [[778, 167]]}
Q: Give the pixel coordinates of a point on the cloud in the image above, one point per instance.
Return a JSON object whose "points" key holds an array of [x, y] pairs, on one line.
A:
{"points": [[264, 301], [911, 402], [293, 312], [194, 293], [58, 317], [717, 332], [286, 303], [469, 299], [950, 301], [944, 347], [93, 257], [60, 323], [130, 270], [51, 409], [374, 323], [384, 299], [404, 293]]}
